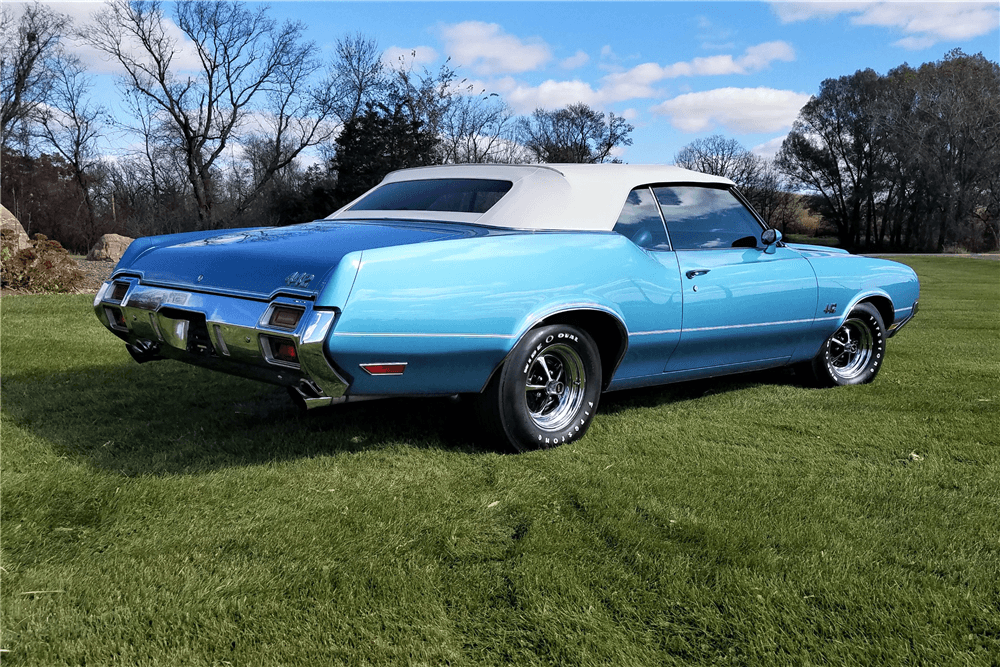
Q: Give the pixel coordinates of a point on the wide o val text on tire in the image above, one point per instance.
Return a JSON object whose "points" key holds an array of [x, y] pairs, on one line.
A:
{"points": [[547, 391]]}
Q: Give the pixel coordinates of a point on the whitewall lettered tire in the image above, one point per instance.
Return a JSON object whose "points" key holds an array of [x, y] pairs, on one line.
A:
{"points": [[855, 352], [547, 391]]}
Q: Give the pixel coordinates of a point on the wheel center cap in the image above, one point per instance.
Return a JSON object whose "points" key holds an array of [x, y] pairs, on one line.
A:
{"points": [[852, 348], [555, 388]]}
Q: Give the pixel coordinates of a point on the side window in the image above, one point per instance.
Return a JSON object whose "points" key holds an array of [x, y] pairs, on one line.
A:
{"points": [[640, 221], [701, 218]]}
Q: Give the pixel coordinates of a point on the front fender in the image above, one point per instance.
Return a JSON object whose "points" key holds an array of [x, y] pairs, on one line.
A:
{"points": [[847, 280]]}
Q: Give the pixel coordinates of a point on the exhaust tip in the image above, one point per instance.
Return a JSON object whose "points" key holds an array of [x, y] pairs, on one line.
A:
{"points": [[307, 396], [143, 351]]}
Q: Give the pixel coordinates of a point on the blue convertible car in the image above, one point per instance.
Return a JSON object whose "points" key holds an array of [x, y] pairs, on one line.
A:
{"points": [[532, 288]]}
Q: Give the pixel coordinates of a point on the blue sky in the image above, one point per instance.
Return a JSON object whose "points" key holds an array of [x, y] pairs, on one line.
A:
{"points": [[678, 71]]}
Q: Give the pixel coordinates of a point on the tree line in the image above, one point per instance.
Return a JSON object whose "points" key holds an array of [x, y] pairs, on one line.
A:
{"points": [[909, 160], [221, 121]]}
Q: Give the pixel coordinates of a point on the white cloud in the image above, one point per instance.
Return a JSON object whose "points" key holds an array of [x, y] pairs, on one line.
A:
{"points": [[97, 62], [578, 59], [488, 50], [550, 94], [635, 83], [638, 81], [769, 149], [396, 56], [790, 12], [924, 23], [740, 110], [761, 56]]}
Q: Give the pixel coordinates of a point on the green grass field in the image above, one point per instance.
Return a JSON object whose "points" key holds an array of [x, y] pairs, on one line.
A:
{"points": [[165, 515]]}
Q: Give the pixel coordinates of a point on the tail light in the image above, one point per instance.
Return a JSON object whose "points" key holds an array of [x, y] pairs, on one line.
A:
{"points": [[116, 317], [280, 350], [119, 292], [284, 317], [284, 350]]}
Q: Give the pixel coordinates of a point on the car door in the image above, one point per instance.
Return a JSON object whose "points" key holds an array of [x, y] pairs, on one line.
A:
{"points": [[745, 305], [652, 303]]}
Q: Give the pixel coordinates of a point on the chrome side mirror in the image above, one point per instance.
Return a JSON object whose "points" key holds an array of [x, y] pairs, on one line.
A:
{"points": [[770, 238]]}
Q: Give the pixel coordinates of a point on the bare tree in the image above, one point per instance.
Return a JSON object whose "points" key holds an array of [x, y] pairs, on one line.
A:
{"points": [[576, 133], [836, 149], [71, 125], [757, 177], [30, 53], [720, 156], [909, 159], [244, 70], [360, 78], [945, 133], [472, 125], [480, 128], [425, 97]]}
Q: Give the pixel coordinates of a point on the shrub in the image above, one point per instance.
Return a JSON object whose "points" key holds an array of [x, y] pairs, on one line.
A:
{"points": [[44, 266]]}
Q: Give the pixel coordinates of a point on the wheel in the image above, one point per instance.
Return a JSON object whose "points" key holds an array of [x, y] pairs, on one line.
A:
{"points": [[855, 351], [547, 391]]}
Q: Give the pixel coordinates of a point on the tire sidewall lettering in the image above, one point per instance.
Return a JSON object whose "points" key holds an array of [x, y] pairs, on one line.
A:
{"points": [[862, 314], [523, 428]]}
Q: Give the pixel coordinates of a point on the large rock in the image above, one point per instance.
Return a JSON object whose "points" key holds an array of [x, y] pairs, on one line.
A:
{"points": [[10, 224], [109, 248]]}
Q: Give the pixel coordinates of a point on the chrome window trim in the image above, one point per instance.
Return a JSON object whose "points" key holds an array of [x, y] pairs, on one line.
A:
{"points": [[663, 221]]}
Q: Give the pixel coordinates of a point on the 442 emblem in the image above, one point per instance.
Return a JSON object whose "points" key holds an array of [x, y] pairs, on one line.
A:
{"points": [[299, 279]]}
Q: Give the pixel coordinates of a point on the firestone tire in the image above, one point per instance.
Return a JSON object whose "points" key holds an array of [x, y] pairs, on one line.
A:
{"points": [[855, 352], [546, 393]]}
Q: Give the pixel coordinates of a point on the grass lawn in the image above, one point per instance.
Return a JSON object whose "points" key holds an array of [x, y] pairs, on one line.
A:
{"points": [[164, 515]]}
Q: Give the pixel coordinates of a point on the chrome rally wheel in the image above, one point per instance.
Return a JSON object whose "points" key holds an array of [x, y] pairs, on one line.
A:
{"points": [[855, 351], [547, 391], [555, 387], [850, 349]]}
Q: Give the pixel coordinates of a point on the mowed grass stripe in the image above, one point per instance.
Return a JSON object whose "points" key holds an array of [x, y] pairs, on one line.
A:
{"points": [[165, 515]]}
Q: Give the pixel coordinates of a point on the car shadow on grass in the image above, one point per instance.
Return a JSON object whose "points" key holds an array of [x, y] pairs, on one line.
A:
{"points": [[651, 397], [164, 419]]}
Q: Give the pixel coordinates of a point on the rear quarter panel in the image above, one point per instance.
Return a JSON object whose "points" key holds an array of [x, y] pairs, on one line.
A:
{"points": [[452, 310]]}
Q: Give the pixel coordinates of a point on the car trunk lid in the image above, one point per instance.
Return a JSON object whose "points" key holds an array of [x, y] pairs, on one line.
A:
{"points": [[297, 259]]}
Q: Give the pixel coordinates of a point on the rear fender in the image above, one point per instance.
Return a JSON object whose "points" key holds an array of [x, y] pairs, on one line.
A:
{"points": [[453, 310]]}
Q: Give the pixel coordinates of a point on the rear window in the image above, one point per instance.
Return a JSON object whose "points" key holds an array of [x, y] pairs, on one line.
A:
{"points": [[454, 195]]}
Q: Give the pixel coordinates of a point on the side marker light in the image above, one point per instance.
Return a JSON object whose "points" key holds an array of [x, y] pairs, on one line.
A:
{"points": [[385, 368]]}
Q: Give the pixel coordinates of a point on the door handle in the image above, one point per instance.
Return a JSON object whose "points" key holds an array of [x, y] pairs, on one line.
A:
{"points": [[696, 272]]}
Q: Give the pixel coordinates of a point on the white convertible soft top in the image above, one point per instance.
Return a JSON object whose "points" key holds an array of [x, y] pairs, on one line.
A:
{"points": [[550, 196]]}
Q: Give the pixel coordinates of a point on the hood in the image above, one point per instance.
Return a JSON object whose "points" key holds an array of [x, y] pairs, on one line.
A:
{"points": [[297, 259]]}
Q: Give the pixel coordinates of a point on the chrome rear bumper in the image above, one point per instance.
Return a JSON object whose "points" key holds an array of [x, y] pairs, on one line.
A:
{"points": [[224, 333]]}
